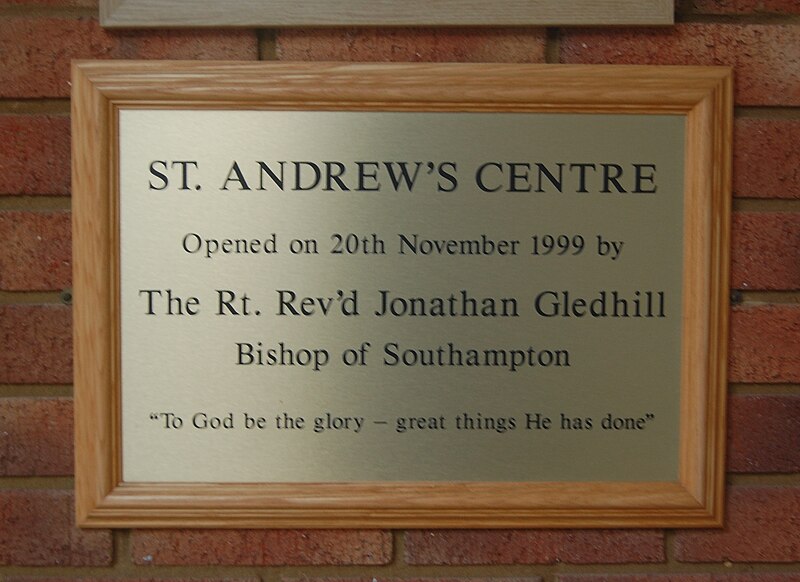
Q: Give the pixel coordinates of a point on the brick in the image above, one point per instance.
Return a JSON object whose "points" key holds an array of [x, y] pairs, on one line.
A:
{"points": [[101, 579], [764, 250], [634, 578], [40, 68], [474, 547], [771, 577], [766, 158], [34, 154], [413, 579], [745, 6], [52, 3], [766, 58], [36, 344], [35, 436], [36, 254], [762, 524], [38, 529], [260, 547], [764, 344], [764, 434], [406, 44]]}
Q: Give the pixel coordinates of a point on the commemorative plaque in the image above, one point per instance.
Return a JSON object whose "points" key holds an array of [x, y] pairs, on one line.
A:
{"points": [[270, 13], [400, 295]]}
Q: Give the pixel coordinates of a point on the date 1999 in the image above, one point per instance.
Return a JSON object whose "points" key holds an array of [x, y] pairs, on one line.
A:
{"points": [[559, 244]]}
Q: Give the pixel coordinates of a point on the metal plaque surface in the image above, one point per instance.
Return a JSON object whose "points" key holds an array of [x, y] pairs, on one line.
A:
{"points": [[311, 296]]}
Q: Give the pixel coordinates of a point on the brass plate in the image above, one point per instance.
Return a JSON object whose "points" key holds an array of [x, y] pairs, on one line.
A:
{"points": [[422, 289]]}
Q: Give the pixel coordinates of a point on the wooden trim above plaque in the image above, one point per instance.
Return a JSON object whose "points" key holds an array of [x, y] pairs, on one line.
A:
{"points": [[411, 295], [250, 13]]}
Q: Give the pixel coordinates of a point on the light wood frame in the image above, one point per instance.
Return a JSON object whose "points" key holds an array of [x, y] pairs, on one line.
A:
{"points": [[701, 94], [250, 13]]}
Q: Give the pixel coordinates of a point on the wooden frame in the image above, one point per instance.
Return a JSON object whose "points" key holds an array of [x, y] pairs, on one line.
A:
{"points": [[701, 94], [249, 13]]}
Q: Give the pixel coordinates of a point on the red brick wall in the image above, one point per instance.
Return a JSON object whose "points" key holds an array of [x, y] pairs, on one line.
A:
{"points": [[761, 540]]}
